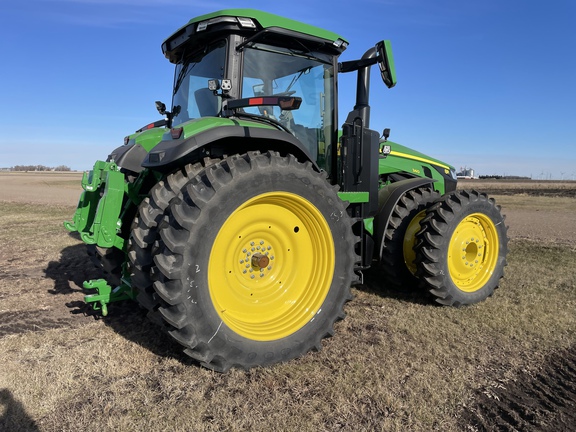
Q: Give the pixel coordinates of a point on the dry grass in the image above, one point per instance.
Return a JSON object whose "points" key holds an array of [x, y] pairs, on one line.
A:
{"points": [[396, 362], [542, 203]]}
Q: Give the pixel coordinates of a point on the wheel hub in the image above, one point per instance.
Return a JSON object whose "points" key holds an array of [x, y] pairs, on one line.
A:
{"points": [[472, 253], [255, 259]]}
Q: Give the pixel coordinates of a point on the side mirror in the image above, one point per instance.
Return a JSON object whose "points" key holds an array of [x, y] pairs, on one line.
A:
{"points": [[161, 107], [386, 134], [386, 63], [258, 89]]}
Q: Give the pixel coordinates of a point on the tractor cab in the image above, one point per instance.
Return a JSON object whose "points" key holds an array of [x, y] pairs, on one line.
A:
{"points": [[254, 66], [304, 81], [268, 70]]}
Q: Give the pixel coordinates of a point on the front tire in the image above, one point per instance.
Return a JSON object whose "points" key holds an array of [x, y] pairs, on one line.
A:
{"points": [[256, 262], [462, 247], [398, 257]]}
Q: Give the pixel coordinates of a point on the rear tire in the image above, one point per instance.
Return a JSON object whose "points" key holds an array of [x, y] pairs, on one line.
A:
{"points": [[144, 232], [255, 263], [462, 247]]}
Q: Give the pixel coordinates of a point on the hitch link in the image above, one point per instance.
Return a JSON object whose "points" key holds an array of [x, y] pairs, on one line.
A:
{"points": [[105, 294]]}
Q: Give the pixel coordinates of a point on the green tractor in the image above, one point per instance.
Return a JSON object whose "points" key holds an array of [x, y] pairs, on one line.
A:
{"points": [[241, 220]]}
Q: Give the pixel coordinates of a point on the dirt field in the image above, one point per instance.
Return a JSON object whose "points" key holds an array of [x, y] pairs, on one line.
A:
{"points": [[58, 188], [396, 363]]}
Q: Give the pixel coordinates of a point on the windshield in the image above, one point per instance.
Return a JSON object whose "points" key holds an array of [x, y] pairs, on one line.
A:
{"points": [[272, 70], [192, 99]]}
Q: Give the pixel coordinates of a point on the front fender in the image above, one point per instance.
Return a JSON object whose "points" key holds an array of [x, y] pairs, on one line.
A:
{"points": [[388, 197]]}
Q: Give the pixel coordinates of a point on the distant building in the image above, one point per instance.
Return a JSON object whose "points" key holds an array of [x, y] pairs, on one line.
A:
{"points": [[466, 173]]}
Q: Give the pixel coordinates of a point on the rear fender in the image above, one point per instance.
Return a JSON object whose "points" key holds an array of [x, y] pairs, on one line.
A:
{"points": [[171, 153], [388, 197], [131, 155]]}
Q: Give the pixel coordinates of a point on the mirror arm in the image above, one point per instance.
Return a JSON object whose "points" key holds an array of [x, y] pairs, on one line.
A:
{"points": [[354, 65], [363, 87]]}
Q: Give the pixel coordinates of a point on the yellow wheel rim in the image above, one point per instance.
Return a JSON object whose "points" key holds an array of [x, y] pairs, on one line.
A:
{"points": [[473, 252], [409, 240], [271, 266]]}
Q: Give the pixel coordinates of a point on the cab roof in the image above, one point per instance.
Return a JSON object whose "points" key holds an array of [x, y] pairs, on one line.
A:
{"points": [[249, 21]]}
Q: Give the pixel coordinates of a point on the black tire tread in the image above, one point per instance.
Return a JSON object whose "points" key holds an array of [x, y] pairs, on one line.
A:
{"points": [[144, 232], [392, 264], [109, 261]]}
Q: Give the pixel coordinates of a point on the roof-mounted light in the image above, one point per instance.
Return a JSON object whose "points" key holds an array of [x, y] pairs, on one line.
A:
{"points": [[246, 22], [340, 43], [203, 25]]}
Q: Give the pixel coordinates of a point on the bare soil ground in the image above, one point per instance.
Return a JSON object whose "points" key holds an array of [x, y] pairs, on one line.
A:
{"points": [[396, 363], [48, 188], [540, 400], [543, 399]]}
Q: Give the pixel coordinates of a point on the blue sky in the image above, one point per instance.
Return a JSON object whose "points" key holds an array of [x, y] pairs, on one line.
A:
{"points": [[487, 84]]}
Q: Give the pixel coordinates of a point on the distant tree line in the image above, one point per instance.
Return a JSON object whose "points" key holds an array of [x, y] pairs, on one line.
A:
{"points": [[501, 177], [39, 168]]}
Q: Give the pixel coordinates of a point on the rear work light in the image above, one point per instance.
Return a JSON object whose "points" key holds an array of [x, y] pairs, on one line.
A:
{"points": [[176, 133]]}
